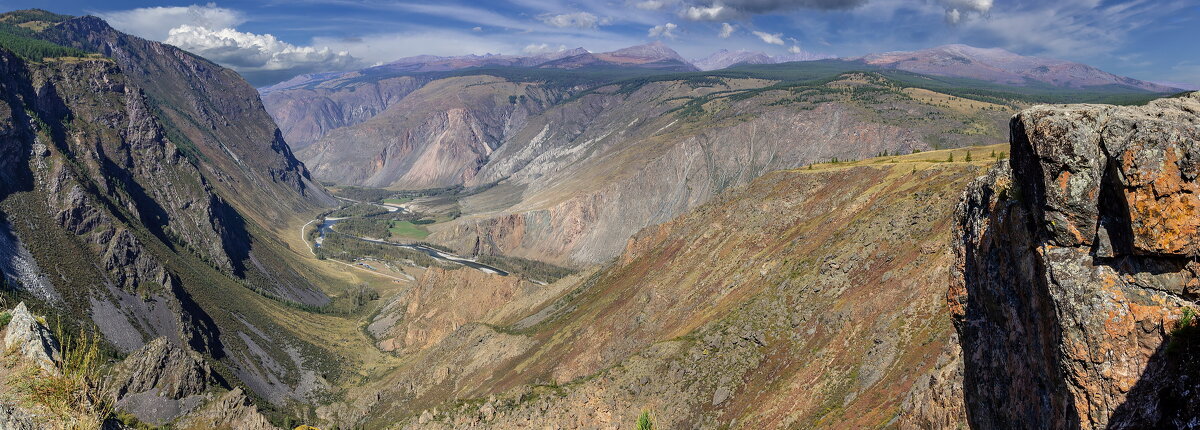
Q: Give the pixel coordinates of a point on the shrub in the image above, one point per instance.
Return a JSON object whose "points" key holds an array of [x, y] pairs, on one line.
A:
{"points": [[1186, 334], [644, 422]]}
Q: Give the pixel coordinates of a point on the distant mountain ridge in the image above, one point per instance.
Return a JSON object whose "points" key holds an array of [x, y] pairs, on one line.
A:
{"points": [[655, 55], [1004, 67], [995, 65], [725, 58]]}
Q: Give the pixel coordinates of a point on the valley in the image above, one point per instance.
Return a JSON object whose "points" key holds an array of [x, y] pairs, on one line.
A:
{"points": [[942, 238]]}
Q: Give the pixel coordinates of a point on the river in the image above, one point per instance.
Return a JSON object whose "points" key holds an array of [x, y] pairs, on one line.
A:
{"points": [[327, 228]]}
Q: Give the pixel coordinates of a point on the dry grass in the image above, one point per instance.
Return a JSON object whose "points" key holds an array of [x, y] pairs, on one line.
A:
{"points": [[69, 397], [957, 104], [979, 156]]}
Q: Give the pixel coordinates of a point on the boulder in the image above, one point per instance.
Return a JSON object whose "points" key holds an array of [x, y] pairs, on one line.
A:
{"points": [[29, 337]]}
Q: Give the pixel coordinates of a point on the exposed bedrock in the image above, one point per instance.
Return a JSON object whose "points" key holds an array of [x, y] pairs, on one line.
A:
{"points": [[1077, 271]]}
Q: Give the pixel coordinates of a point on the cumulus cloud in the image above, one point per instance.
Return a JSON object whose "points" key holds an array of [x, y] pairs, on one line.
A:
{"points": [[795, 49], [772, 38], [711, 10], [726, 30], [956, 10], [572, 20], [477, 29], [666, 30], [542, 48], [653, 4], [709, 13], [258, 56], [155, 23]]}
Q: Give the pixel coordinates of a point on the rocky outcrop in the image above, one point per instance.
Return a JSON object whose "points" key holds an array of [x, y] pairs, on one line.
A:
{"points": [[1076, 271], [14, 418], [29, 337], [231, 410], [160, 382]]}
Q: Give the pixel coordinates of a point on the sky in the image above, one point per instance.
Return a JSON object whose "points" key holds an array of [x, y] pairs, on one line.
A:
{"points": [[272, 40]]}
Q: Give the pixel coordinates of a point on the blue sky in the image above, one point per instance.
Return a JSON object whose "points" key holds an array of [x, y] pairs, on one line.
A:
{"points": [[274, 39]]}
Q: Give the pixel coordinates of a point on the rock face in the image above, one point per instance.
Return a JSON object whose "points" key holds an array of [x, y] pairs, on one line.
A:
{"points": [[27, 336], [584, 176], [439, 136], [160, 382], [1076, 267], [132, 184], [232, 410]]}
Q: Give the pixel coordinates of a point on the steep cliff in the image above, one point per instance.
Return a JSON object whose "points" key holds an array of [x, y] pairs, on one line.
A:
{"points": [[437, 136], [586, 175], [132, 197], [1076, 274], [306, 114]]}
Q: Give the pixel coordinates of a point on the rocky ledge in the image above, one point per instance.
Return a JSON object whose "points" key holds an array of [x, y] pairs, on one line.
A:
{"points": [[1078, 269]]}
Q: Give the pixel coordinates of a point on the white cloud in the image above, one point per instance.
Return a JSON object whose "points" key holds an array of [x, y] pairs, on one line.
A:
{"points": [[666, 30], [772, 38], [249, 52], [543, 48], [795, 49], [652, 4], [572, 20], [155, 23], [709, 13], [477, 29], [957, 10], [953, 16], [726, 30]]}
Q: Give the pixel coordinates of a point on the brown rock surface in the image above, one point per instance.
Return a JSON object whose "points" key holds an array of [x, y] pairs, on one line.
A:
{"points": [[444, 300], [1073, 269]]}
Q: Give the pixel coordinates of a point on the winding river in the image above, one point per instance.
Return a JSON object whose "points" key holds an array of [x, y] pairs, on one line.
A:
{"points": [[327, 228]]}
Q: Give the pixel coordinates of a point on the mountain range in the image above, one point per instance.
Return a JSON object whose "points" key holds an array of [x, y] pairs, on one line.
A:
{"points": [[725, 58], [930, 239], [1003, 67]]}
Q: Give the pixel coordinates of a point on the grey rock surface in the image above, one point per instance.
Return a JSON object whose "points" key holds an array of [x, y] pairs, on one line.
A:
{"points": [[32, 339]]}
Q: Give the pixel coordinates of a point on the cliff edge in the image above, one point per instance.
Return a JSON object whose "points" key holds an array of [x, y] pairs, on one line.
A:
{"points": [[1077, 269]]}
